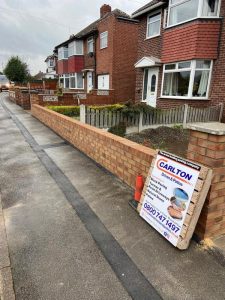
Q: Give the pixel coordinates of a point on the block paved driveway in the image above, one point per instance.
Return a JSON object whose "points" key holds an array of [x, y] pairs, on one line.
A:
{"points": [[71, 232]]}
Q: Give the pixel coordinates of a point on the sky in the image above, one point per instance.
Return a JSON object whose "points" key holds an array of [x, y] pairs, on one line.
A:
{"points": [[32, 28]]}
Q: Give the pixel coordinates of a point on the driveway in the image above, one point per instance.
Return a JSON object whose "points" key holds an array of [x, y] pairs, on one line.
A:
{"points": [[71, 233]]}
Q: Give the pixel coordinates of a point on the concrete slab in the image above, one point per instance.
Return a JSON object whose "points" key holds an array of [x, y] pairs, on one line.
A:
{"points": [[215, 128]]}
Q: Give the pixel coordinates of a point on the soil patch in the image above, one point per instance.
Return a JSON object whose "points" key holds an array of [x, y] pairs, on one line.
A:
{"points": [[174, 140]]}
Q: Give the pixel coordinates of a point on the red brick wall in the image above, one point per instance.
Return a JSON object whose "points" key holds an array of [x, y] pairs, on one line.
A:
{"points": [[122, 157], [217, 91], [209, 150], [62, 66], [75, 63], [147, 47], [104, 57], [193, 40], [125, 55]]}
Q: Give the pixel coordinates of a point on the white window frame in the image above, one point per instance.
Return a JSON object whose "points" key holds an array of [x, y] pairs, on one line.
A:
{"points": [[61, 53], [73, 46], [199, 16], [192, 69], [148, 22], [75, 88], [103, 75], [102, 36], [90, 41]]}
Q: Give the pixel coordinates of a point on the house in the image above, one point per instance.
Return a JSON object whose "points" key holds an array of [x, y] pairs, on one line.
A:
{"points": [[51, 62], [181, 53], [101, 56]]}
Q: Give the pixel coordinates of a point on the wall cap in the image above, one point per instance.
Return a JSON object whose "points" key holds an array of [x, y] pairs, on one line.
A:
{"points": [[214, 128]]}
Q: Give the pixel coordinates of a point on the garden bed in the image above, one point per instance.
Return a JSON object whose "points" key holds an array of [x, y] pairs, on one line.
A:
{"points": [[171, 139]]}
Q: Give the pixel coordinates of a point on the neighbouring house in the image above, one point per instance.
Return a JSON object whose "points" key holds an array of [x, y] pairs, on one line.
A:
{"points": [[181, 53], [101, 56], [39, 76], [51, 62]]}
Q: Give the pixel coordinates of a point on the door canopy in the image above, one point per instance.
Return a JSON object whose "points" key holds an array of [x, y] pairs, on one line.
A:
{"points": [[148, 62]]}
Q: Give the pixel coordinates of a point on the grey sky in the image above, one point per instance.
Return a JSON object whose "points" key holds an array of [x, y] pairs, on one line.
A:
{"points": [[31, 28]]}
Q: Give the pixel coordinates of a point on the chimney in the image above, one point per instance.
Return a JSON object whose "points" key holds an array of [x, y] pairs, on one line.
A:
{"points": [[105, 9]]}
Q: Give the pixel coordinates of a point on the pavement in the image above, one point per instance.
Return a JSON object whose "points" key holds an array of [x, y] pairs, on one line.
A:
{"points": [[71, 233]]}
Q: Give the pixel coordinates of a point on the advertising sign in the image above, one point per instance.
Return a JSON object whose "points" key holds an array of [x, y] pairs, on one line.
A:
{"points": [[169, 192]]}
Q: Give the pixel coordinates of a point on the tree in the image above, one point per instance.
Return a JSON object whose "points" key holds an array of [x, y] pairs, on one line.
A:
{"points": [[16, 70]]}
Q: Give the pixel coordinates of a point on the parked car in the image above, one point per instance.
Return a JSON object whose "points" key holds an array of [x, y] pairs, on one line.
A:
{"points": [[4, 83]]}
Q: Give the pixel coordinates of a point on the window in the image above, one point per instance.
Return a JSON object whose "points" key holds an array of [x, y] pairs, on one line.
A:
{"points": [[188, 79], [90, 45], [103, 82], [153, 25], [66, 81], [72, 81], [62, 53], [76, 81], [144, 97], [76, 48], [184, 10], [104, 40]]}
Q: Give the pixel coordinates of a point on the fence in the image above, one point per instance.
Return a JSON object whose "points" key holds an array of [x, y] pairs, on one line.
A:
{"points": [[138, 122]]}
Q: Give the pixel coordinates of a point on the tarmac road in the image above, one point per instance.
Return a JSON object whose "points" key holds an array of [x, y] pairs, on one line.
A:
{"points": [[71, 233]]}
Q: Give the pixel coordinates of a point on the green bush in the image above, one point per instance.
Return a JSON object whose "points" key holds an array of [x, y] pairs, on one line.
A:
{"points": [[114, 107], [70, 111], [135, 109], [119, 129]]}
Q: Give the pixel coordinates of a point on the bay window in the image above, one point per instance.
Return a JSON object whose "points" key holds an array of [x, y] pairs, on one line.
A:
{"points": [[66, 81], [153, 25], [184, 10], [76, 81], [188, 80], [62, 53], [76, 48]]}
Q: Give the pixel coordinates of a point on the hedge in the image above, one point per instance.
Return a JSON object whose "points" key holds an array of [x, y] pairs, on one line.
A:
{"points": [[70, 111]]}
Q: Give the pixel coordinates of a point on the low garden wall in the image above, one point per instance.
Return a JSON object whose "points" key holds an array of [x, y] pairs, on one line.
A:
{"points": [[122, 157], [127, 159]]}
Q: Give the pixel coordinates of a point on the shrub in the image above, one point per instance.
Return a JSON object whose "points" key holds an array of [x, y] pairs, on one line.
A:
{"points": [[119, 129], [113, 107], [70, 111], [135, 109]]}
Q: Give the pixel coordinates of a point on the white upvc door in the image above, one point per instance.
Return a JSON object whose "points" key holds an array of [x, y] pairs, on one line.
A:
{"points": [[103, 82], [152, 86], [89, 81]]}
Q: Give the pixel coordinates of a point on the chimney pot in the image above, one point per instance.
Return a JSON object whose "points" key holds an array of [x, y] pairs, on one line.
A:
{"points": [[105, 9]]}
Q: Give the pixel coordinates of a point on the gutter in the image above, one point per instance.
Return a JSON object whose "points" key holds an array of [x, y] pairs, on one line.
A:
{"points": [[134, 15]]}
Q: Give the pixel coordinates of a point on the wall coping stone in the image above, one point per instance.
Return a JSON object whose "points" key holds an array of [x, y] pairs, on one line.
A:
{"points": [[215, 128]]}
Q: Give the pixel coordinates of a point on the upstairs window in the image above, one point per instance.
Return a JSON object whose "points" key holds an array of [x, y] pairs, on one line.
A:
{"points": [[188, 80], [90, 45], [184, 10], [153, 25], [104, 40], [76, 48], [62, 53]]}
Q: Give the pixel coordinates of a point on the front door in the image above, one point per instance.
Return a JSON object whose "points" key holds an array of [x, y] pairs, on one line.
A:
{"points": [[151, 86], [89, 81]]}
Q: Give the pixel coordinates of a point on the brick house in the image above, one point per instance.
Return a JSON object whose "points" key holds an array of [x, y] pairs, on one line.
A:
{"points": [[95, 58], [51, 66], [181, 53]]}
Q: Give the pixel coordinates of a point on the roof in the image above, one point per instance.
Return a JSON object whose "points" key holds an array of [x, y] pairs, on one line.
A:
{"points": [[52, 56], [148, 7], [93, 27]]}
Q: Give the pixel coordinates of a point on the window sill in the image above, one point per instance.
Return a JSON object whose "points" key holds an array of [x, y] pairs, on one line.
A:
{"points": [[152, 37], [184, 98], [103, 48]]}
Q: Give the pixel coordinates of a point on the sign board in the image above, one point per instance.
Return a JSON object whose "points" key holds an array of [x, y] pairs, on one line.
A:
{"points": [[170, 195], [50, 98], [80, 96]]}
